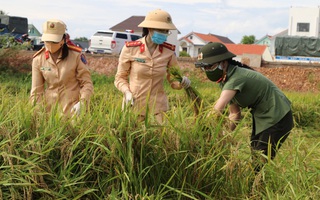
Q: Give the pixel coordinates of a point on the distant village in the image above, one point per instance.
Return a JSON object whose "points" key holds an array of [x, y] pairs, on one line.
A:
{"points": [[299, 43]]}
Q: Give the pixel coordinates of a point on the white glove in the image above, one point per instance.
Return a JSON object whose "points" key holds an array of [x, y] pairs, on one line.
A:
{"points": [[76, 109], [185, 83], [128, 97]]}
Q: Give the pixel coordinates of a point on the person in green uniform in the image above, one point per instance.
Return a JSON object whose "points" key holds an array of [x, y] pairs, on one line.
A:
{"points": [[243, 87]]}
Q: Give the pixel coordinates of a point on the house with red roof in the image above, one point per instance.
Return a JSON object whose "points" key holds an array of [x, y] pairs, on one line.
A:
{"points": [[130, 25], [193, 42], [250, 54], [240, 49]]}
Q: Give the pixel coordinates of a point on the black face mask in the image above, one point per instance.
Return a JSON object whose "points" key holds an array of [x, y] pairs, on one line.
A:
{"points": [[214, 75]]}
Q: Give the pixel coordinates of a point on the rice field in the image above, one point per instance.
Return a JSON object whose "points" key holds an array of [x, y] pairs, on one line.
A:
{"points": [[107, 154]]}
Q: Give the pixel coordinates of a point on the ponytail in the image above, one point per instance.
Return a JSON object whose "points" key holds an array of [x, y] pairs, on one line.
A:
{"points": [[65, 49], [145, 32], [239, 64]]}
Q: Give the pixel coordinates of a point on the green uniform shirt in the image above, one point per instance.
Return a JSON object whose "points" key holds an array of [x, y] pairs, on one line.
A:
{"points": [[267, 102]]}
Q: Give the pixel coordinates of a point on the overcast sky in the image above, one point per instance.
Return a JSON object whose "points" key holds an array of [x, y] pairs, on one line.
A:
{"points": [[229, 18]]}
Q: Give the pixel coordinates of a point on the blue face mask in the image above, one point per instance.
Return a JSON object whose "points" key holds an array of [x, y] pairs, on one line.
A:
{"points": [[158, 38]]}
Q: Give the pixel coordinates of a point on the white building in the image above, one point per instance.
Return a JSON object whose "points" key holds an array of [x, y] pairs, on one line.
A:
{"points": [[193, 42], [304, 21], [302, 41]]}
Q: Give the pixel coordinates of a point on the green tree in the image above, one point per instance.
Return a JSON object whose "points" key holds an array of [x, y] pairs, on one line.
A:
{"points": [[3, 12], [81, 39], [248, 39]]}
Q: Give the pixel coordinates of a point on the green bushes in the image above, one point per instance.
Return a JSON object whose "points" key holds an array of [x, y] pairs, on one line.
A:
{"points": [[9, 41], [183, 54]]}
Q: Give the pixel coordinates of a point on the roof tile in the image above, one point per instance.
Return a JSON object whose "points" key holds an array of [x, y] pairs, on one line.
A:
{"points": [[129, 24], [240, 49]]}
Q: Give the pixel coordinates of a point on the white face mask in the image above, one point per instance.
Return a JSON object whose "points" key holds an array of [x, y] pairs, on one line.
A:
{"points": [[53, 47]]}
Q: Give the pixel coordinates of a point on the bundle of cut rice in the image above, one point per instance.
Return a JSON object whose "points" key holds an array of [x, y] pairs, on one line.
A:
{"points": [[192, 93]]}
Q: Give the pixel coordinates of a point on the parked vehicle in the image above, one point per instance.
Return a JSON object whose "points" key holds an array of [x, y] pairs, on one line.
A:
{"points": [[16, 26], [110, 42], [14, 30]]}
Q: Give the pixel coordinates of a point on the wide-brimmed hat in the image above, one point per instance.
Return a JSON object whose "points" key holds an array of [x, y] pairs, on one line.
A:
{"points": [[214, 52], [158, 19], [53, 30]]}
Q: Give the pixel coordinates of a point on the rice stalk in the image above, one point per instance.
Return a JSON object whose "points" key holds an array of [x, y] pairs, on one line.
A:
{"points": [[191, 92]]}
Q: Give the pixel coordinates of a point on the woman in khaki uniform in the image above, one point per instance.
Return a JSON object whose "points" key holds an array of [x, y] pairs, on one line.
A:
{"points": [[145, 63], [59, 72]]}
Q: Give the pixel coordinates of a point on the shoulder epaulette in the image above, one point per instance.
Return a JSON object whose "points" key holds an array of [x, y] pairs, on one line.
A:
{"points": [[133, 43], [169, 46], [38, 52], [75, 48]]}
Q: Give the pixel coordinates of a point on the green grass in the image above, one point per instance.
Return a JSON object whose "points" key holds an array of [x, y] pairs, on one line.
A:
{"points": [[106, 154]]}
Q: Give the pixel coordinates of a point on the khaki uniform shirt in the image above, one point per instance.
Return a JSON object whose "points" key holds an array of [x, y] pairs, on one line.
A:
{"points": [[64, 82], [146, 74]]}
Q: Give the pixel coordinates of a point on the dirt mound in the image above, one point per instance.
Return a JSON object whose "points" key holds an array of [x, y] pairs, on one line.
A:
{"points": [[300, 78], [294, 78]]}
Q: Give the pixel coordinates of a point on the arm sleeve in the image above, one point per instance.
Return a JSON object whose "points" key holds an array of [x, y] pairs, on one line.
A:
{"points": [[37, 86], [121, 81], [84, 78]]}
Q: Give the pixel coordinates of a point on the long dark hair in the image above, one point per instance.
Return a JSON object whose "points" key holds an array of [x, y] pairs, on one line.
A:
{"points": [[145, 32], [65, 49], [239, 64]]}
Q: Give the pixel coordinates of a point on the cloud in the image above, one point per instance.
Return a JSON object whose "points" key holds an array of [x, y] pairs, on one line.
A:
{"points": [[231, 18]]}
